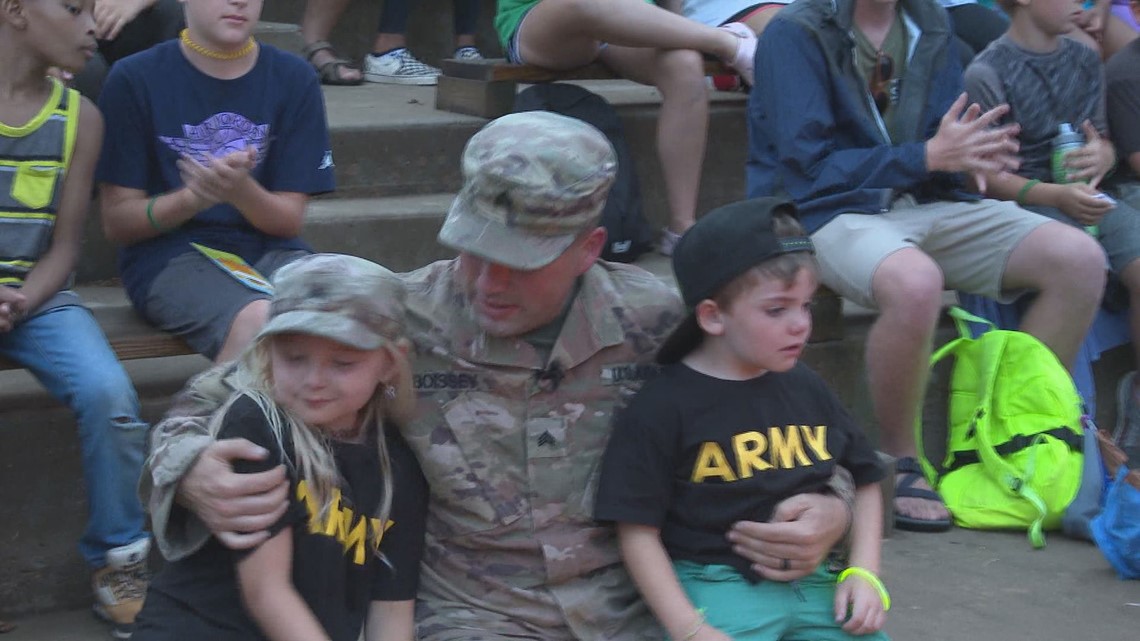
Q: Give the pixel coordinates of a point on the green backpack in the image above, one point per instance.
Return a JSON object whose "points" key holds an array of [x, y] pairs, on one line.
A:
{"points": [[1014, 440]]}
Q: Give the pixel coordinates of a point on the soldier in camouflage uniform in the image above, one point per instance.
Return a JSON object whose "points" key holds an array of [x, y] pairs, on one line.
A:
{"points": [[525, 345]]}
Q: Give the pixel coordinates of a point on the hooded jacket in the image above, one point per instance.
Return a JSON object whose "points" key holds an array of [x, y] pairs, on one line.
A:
{"points": [[815, 135]]}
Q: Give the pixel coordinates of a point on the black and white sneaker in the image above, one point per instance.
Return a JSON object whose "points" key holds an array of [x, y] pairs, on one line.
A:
{"points": [[399, 67]]}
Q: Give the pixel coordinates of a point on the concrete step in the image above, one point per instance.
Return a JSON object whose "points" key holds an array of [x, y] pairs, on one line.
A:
{"points": [[283, 35], [43, 506], [962, 584], [396, 231], [391, 141]]}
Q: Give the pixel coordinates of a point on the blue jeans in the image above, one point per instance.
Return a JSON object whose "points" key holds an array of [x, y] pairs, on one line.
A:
{"points": [[66, 350]]}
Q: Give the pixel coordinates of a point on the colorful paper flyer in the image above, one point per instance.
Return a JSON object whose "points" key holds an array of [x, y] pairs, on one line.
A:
{"points": [[236, 266]]}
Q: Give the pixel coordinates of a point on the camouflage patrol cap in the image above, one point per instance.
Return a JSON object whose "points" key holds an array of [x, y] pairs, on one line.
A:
{"points": [[343, 298], [532, 182]]}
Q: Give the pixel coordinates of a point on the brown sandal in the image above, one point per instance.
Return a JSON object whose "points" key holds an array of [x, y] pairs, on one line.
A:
{"points": [[330, 72], [6, 627]]}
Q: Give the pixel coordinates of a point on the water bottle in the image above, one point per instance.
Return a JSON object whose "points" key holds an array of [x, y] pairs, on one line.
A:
{"points": [[1066, 140]]}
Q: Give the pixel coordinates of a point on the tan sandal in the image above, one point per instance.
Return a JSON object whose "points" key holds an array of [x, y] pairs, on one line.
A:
{"points": [[330, 72]]}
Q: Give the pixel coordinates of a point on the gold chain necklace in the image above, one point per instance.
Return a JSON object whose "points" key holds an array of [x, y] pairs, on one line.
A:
{"points": [[216, 55]]}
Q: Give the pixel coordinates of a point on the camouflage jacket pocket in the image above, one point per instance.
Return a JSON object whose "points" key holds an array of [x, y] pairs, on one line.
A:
{"points": [[476, 465]]}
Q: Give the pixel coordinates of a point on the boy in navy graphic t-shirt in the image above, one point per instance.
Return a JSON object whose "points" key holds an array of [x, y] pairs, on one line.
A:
{"points": [[216, 144]]}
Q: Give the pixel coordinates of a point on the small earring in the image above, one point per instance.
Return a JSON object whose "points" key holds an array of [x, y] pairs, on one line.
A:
{"points": [[389, 392]]}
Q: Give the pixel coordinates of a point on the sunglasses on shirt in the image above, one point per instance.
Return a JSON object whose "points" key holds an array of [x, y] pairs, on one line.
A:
{"points": [[880, 84]]}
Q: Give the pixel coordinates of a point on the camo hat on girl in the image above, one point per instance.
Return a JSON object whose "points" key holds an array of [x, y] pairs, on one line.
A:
{"points": [[343, 298]]}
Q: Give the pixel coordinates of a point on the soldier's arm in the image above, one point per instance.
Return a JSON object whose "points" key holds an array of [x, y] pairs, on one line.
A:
{"points": [[188, 482]]}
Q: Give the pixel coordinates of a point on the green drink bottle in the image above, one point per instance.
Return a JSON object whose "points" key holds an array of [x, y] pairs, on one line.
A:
{"points": [[1066, 140]]}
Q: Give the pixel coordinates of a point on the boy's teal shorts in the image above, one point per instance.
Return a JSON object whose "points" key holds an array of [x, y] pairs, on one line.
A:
{"points": [[768, 610]]}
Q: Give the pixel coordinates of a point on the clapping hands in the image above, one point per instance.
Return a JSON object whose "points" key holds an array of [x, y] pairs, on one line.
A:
{"points": [[971, 141], [220, 179]]}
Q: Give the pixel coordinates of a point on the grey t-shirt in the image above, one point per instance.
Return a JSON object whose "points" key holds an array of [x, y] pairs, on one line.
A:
{"points": [[1043, 90]]}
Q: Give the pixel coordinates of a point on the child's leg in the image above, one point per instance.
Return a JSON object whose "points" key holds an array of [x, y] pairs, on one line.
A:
{"points": [[66, 350], [741, 609], [393, 29], [682, 125], [563, 34], [252, 316], [244, 328], [814, 618], [465, 21], [195, 300]]}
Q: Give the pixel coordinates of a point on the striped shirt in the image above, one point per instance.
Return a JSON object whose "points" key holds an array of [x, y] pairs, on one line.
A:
{"points": [[34, 158]]}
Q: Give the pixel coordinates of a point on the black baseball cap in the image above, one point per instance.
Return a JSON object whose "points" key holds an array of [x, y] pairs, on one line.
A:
{"points": [[725, 243]]}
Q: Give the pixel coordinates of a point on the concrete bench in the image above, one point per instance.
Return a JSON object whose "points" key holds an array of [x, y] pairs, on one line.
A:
{"points": [[130, 336], [487, 88]]}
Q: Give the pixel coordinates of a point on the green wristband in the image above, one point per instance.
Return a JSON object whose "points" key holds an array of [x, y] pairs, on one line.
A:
{"points": [[871, 579], [150, 216], [1024, 191]]}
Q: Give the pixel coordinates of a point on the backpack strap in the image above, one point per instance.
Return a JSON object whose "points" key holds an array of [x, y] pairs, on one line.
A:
{"points": [[962, 318]]}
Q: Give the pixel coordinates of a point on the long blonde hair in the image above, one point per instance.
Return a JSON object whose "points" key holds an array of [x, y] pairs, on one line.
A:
{"points": [[393, 403]]}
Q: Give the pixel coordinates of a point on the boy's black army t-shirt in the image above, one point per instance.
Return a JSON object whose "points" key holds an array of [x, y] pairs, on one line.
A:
{"points": [[335, 568], [693, 454]]}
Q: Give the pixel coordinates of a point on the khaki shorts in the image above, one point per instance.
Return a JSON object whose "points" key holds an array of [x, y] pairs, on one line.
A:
{"points": [[970, 241]]}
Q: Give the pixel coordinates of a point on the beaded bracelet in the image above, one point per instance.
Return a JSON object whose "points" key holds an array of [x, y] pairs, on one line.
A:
{"points": [[870, 578], [700, 623], [150, 216], [1024, 191]]}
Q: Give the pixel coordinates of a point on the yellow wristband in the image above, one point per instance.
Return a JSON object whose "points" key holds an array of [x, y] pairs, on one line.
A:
{"points": [[871, 579], [1024, 191], [697, 625], [150, 216]]}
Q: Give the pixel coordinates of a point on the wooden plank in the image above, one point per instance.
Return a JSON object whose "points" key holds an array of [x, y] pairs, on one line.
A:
{"points": [[494, 69], [475, 97], [130, 337]]}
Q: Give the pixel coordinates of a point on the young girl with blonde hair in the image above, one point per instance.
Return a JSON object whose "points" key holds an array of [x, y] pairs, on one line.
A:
{"points": [[323, 387]]}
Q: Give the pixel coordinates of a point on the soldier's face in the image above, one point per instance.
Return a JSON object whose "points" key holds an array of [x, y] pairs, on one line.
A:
{"points": [[510, 302]]}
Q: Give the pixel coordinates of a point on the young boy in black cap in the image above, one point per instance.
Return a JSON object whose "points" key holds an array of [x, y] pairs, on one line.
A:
{"points": [[730, 427]]}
